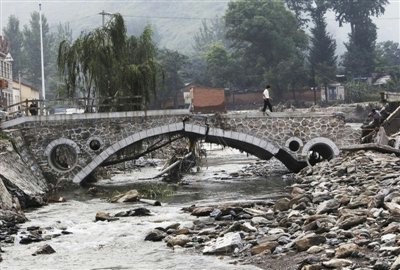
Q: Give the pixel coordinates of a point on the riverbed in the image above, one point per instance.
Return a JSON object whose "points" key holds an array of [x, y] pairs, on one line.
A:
{"points": [[120, 244]]}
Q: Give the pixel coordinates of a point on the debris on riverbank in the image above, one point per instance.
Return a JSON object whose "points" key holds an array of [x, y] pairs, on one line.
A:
{"points": [[338, 214], [19, 189]]}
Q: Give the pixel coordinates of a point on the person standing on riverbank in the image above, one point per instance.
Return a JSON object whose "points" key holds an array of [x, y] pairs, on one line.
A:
{"points": [[266, 97]]}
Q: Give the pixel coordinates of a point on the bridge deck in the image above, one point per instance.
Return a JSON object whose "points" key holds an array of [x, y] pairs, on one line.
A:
{"points": [[231, 114]]}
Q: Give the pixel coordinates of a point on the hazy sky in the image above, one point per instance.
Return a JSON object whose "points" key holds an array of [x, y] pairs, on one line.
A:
{"points": [[388, 24]]}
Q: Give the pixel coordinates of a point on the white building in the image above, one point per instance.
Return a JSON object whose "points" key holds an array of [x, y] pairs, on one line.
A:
{"points": [[333, 92]]}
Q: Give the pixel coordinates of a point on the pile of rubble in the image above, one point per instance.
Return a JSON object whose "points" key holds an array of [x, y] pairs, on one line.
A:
{"points": [[342, 214]]}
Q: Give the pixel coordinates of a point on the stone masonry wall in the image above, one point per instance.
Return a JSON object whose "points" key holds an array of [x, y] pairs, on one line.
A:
{"points": [[42, 134]]}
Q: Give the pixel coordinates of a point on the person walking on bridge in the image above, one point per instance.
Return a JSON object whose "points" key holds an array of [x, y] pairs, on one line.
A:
{"points": [[266, 97]]}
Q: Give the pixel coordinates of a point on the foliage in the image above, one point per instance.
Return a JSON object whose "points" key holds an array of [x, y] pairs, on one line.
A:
{"points": [[107, 64], [360, 54], [31, 45], [55, 86], [14, 36], [3, 136], [210, 34], [266, 37], [388, 63], [172, 63], [322, 52], [355, 12], [387, 55], [360, 92], [219, 66]]}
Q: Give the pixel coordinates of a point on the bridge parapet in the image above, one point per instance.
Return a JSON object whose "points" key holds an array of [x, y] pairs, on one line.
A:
{"points": [[92, 138]]}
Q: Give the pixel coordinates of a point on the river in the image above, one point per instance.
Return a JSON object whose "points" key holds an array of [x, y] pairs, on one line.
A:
{"points": [[120, 244]]}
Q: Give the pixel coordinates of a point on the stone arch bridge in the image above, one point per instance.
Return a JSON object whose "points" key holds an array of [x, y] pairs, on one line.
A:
{"points": [[94, 137]]}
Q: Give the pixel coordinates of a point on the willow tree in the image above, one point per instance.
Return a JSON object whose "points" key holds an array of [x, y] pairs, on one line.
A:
{"points": [[108, 65]]}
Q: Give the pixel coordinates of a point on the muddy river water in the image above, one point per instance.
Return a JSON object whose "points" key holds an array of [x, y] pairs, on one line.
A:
{"points": [[120, 244]]}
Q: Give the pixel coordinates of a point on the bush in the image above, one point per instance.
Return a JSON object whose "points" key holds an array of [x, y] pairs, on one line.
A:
{"points": [[3, 136], [360, 92]]}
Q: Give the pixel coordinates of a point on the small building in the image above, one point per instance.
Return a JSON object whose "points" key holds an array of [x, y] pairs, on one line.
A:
{"points": [[206, 99], [5, 73], [333, 92]]}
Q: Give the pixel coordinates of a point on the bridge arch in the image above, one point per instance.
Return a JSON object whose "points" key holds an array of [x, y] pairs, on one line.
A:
{"points": [[260, 148], [319, 148], [64, 163]]}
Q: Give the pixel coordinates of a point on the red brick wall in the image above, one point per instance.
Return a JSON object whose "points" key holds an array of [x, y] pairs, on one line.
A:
{"points": [[208, 100]]}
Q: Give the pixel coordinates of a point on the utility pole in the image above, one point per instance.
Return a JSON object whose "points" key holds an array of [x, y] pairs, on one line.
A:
{"points": [[103, 14]]}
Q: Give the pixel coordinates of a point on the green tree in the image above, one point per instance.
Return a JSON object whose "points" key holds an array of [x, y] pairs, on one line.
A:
{"points": [[360, 54], [107, 64], [387, 56], [14, 37], [172, 63], [55, 86], [218, 66], [210, 33], [360, 92], [358, 60], [31, 45], [265, 35], [322, 51], [388, 62]]}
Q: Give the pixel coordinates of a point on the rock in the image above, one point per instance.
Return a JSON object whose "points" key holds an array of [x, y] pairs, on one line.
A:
{"points": [[328, 206], [388, 238], [351, 222], [276, 231], [315, 249], [11, 216], [182, 231], [202, 211], [262, 247], [134, 212], [390, 250], [337, 263], [247, 227], [393, 208], [46, 249], [174, 226], [179, 240], [296, 191], [56, 199], [130, 196], [255, 212], [6, 201], [307, 241], [259, 221], [103, 216], [224, 244], [155, 235], [346, 250], [282, 205], [28, 239], [216, 213], [381, 265], [312, 267], [396, 264]]}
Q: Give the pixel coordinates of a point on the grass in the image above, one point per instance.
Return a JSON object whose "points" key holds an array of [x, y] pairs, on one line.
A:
{"points": [[3, 136]]}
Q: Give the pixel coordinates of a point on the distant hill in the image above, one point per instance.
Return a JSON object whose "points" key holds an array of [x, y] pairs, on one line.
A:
{"points": [[174, 21]]}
